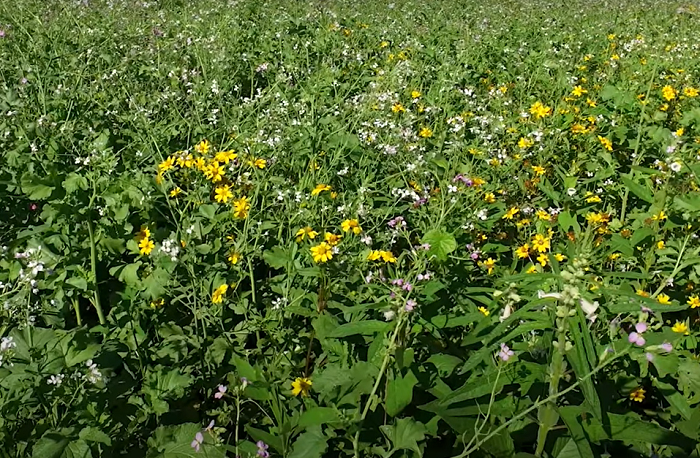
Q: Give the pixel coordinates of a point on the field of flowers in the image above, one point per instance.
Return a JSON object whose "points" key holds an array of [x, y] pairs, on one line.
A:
{"points": [[340, 228]]}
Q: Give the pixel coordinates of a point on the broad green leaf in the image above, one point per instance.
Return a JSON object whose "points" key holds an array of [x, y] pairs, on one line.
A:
{"points": [[244, 368], [208, 211], [441, 243], [365, 328], [399, 393], [51, 445], [259, 435], [318, 416], [571, 416], [92, 434], [674, 397], [637, 189], [405, 434], [311, 444], [277, 257], [77, 449], [73, 182], [444, 363]]}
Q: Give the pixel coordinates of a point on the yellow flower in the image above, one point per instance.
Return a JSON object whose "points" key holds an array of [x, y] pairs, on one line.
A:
{"points": [[185, 161], [415, 94], [539, 170], [322, 252], [320, 188], [525, 142], [531, 270], [203, 147], [559, 257], [489, 264], [476, 182], [614, 256], [680, 328], [660, 216], [225, 156], [374, 255], [540, 243], [511, 213], [425, 132], [591, 103], [200, 164], [578, 91], [218, 295], [668, 93], [223, 194], [637, 395], [663, 299], [234, 257], [260, 163], [214, 172], [539, 110], [144, 233], [607, 144], [641, 292], [158, 303], [398, 108], [543, 215], [694, 302], [166, 165], [146, 245], [351, 225], [332, 239], [578, 129], [175, 192], [484, 311], [305, 232], [543, 259], [489, 198], [241, 207], [690, 92], [660, 245], [388, 256], [301, 386], [523, 251]]}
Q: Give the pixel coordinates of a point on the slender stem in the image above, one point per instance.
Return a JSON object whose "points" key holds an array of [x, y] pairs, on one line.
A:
{"points": [[93, 266], [385, 363], [536, 405], [76, 307], [675, 269]]}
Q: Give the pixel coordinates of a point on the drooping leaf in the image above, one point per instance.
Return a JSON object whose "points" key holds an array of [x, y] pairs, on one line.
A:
{"points": [[399, 393]]}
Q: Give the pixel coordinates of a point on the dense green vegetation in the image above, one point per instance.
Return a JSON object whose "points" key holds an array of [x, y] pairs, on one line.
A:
{"points": [[349, 229]]}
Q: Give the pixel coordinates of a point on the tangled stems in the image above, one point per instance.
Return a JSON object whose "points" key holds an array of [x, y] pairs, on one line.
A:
{"points": [[385, 364], [469, 450]]}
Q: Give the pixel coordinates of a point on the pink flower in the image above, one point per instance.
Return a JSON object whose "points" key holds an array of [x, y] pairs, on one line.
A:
{"points": [[220, 394], [505, 352], [197, 442]]}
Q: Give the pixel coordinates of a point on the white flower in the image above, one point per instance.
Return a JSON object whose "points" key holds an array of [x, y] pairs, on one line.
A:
{"points": [[571, 191], [676, 167], [389, 315], [542, 295], [589, 308], [506, 313], [56, 379]]}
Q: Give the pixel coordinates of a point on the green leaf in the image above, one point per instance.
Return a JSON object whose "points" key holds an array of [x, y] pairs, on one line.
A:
{"points": [[311, 444], [260, 435], [318, 416], [399, 393], [277, 257], [571, 418], [637, 189], [567, 221], [405, 434], [128, 273], [73, 182], [51, 445], [92, 434], [78, 282], [441, 243], [445, 364], [675, 398], [77, 449], [208, 211], [244, 368], [365, 328], [175, 442]]}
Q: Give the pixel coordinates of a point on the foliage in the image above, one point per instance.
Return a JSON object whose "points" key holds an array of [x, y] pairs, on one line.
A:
{"points": [[341, 228]]}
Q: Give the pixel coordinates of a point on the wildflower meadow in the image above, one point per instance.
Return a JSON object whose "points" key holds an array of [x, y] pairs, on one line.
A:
{"points": [[349, 228]]}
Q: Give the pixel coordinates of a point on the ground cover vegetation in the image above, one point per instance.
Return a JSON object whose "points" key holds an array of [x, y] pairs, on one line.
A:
{"points": [[349, 229]]}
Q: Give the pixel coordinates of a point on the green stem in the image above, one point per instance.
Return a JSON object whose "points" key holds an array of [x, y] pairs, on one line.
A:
{"points": [[93, 266], [76, 307], [537, 405], [385, 363]]}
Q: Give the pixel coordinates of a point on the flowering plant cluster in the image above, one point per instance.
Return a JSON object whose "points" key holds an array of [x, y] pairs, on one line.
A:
{"points": [[342, 229]]}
